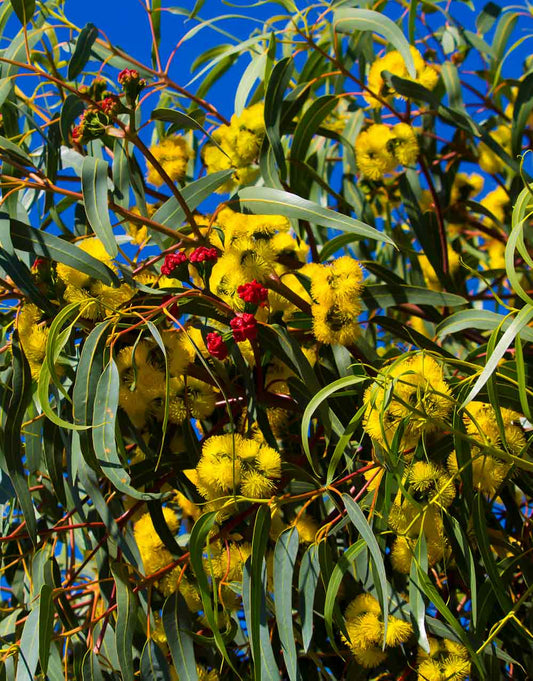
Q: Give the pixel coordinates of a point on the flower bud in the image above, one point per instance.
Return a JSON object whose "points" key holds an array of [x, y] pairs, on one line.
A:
{"points": [[253, 292], [244, 327], [172, 263], [216, 346]]}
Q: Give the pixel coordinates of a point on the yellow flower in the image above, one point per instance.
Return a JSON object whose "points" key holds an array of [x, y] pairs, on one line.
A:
{"points": [[446, 661], [405, 146], [489, 161], [33, 337], [239, 145], [497, 202], [488, 473], [364, 625], [180, 350], [432, 280], [394, 63], [233, 463], [412, 391], [202, 673], [71, 276], [140, 381], [173, 154], [340, 280], [466, 187], [188, 397], [373, 151], [154, 554], [336, 323]]}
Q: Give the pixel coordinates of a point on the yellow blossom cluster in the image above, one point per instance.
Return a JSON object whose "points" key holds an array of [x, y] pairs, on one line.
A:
{"points": [[336, 293], [489, 466], [380, 149], [365, 628], [96, 299], [237, 147], [172, 154], [33, 337], [232, 464], [411, 399], [446, 661], [394, 63], [143, 386], [429, 490]]}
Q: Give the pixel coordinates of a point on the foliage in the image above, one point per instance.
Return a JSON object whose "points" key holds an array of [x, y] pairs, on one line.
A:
{"points": [[265, 367]]}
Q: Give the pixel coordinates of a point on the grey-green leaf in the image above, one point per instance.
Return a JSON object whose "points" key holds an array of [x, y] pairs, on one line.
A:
{"points": [[82, 51], [176, 623], [307, 583], [94, 188], [24, 10], [350, 20], [268, 201], [126, 617], [284, 562], [29, 647], [46, 625]]}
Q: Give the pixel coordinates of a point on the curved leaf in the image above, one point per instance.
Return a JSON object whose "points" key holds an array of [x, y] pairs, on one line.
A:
{"points": [[176, 622], [82, 51], [269, 201], [284, 561], [94, 189]]}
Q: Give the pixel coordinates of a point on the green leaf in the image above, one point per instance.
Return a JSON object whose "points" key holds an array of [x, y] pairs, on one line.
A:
{"points": [[11, 150], [171, 213], [350, 20], [104, 436], [277, 85], [24, 10], [94, 188], [31, 240], [72, 108], [307, 583], [46, 625], [82, 51], [126, 618], [331, 607], [88, 373], [285, 554], [90, 669], [316, 401], [29, 646], [12, 445], [176, 623], [360, 523], [388, 295], [417, 604], [481, 320], [254, 71], [197, 541], [268, 201], [154, 666], [255, 613], [521, 320]]}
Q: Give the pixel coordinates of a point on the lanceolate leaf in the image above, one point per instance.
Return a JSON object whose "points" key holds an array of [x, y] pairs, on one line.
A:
{"points": [[307, 583], [284, 562], [24, 10], [268, 201], [13, 451], [82, 51], [46, 625], [349, 20], [176, 622], [154, 666], [388, 295], [31, 240], [91, 668], [126, 618], [171, 213], [359, 521], [29, 646], [94, 187], [104, 436]]}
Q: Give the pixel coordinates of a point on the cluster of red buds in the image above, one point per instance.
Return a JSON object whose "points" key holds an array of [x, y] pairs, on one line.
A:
{"points": [[93, 124], [132, 84], [216, 346], [204, 254], [244, 327], [172, 262], [253, 292]]}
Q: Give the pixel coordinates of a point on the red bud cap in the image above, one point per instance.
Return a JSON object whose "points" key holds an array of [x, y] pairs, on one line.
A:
{"points": [[216, 346], [244, 327]]}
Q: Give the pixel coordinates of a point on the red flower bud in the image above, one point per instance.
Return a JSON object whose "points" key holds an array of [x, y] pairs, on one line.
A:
{"points": [[109, 105], [216, 345], [172, 262], [253, 292], [127, 75], [244, 327], [203, 254], [77, 134]]}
